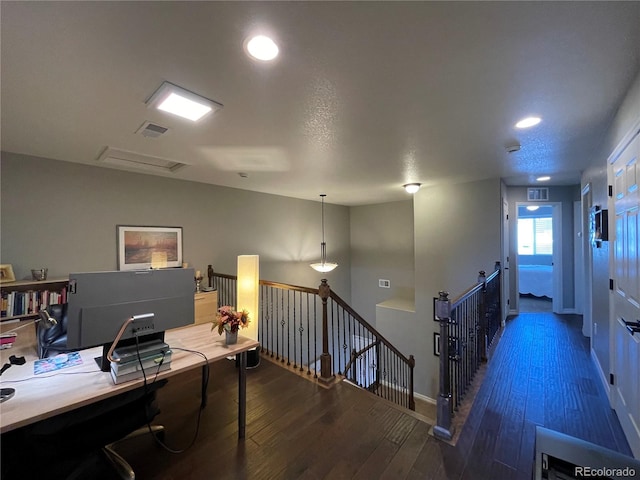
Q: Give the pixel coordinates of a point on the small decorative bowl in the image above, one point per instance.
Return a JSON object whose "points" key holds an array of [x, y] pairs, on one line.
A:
{"points": [[39, 273]]}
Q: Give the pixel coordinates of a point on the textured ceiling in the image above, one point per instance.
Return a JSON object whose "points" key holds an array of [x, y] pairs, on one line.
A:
{"points": [[364, 97]]}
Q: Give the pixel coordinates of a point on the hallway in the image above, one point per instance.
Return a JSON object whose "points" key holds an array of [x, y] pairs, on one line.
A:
{"points": [[541, 374]]}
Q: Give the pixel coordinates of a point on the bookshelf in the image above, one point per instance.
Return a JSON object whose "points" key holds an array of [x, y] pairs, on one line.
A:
{"points": [[23, 299]]}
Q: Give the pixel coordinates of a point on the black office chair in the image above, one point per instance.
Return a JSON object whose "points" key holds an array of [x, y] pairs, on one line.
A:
{"points": [[51, 331], [71, 445], [68, 440]]}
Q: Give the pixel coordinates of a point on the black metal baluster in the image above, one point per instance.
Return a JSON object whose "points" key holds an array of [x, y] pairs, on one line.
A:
{"points": [[308, 337], [283, 323], [278, 301]]}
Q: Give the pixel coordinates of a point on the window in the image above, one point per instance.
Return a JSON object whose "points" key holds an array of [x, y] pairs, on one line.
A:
{"points": [[535, 236]]}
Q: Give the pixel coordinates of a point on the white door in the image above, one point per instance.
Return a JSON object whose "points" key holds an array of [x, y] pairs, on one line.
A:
{"points": [[625, 305]]}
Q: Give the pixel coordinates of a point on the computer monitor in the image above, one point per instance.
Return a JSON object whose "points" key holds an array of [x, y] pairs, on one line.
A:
{"points": [[99, 303]]}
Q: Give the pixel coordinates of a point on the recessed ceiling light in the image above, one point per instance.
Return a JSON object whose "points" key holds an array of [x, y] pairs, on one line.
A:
{"points": [[412, 187], [178, 101], [262, 48], [528, 122], [543, 179]]}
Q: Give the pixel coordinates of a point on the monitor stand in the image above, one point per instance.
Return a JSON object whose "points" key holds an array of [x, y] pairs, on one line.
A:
{"points": [[103, 361]]}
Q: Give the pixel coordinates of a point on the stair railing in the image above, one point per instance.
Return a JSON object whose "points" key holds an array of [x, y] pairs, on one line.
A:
{"points": [[468, 326], [315, 332]]}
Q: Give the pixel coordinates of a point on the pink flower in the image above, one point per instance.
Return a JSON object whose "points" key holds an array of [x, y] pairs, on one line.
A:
{"points": [[230, 320]]}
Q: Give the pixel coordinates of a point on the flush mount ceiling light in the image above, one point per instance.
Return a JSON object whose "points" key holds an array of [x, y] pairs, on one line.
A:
{"points": [[412, 187], [323, 265], [528, 122], [532, 208], [261, 47], [178, 101], [543, 179]]}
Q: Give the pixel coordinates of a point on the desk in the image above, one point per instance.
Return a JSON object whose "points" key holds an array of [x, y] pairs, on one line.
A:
{"points": [[42, 396]]}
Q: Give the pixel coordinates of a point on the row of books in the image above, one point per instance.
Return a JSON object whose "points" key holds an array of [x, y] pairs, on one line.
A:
{"points": [[31, 302]]}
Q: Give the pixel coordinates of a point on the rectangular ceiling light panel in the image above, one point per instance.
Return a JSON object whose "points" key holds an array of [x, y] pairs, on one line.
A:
{"points": [[178, 101], [123, 158]]}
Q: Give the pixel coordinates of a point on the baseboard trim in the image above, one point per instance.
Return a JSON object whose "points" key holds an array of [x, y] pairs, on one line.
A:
{"points": [[424, 398], [601, 374], [629, 427]]}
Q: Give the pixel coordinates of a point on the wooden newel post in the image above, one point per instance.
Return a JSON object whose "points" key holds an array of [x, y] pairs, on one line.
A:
{"points": [[412, 400], [443, 428], [326, 373]]}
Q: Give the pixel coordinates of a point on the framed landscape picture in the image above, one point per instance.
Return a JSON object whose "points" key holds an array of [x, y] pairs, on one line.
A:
{"points": [[141, 248], [6, 273]]}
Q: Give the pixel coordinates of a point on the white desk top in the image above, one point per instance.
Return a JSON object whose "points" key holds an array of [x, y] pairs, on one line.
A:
{"points": [[42, 396]]}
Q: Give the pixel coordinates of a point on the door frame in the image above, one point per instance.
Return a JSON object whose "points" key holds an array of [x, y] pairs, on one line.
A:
{"points": [[587, 262], [506, 287], [557, 287], [578, 254]]}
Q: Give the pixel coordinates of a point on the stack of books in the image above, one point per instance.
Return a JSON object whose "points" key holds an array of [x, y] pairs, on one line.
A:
{"points": [[148, 359], [7, 340]]}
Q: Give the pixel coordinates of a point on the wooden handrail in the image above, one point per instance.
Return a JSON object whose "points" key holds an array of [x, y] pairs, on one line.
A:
{"points": [[467, 325], [336, 298], [289, 337], [473, 289], [286, 286], [351, 311], [355, 354]]}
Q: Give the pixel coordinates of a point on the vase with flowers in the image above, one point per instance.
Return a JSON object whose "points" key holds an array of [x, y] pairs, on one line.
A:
{"points": [[229, 321]]}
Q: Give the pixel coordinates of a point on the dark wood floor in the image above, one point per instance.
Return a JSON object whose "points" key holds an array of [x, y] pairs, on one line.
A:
{"points": [[541, 374]]}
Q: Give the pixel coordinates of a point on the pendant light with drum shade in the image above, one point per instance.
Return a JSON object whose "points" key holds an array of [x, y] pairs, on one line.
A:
{"points": [[323, 266]]}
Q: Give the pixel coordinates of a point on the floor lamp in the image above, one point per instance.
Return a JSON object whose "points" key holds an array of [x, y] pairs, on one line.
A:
{"points": [[248, 297]]}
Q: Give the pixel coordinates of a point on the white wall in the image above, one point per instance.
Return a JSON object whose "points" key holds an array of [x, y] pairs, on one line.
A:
{"points": [[381, 248], [63, 216], [457, 234]]}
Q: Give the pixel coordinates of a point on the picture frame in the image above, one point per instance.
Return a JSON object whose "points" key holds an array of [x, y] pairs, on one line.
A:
{"points": [[145, 247], [436, 344], [6, 273]]}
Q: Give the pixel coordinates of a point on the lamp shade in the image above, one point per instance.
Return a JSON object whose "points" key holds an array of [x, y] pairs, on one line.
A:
{"points": [[158, 260], [324, 266], [249, 292]]}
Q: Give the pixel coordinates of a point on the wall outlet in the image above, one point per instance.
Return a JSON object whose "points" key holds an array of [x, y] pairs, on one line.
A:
{"points": [[384, 283]]}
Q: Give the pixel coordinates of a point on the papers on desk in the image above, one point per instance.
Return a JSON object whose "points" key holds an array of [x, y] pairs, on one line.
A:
{"points": [[63, 360]]}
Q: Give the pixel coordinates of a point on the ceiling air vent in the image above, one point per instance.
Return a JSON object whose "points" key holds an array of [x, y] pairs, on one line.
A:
{"points": [[152, 130], [122, 158], [538, 194]]}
